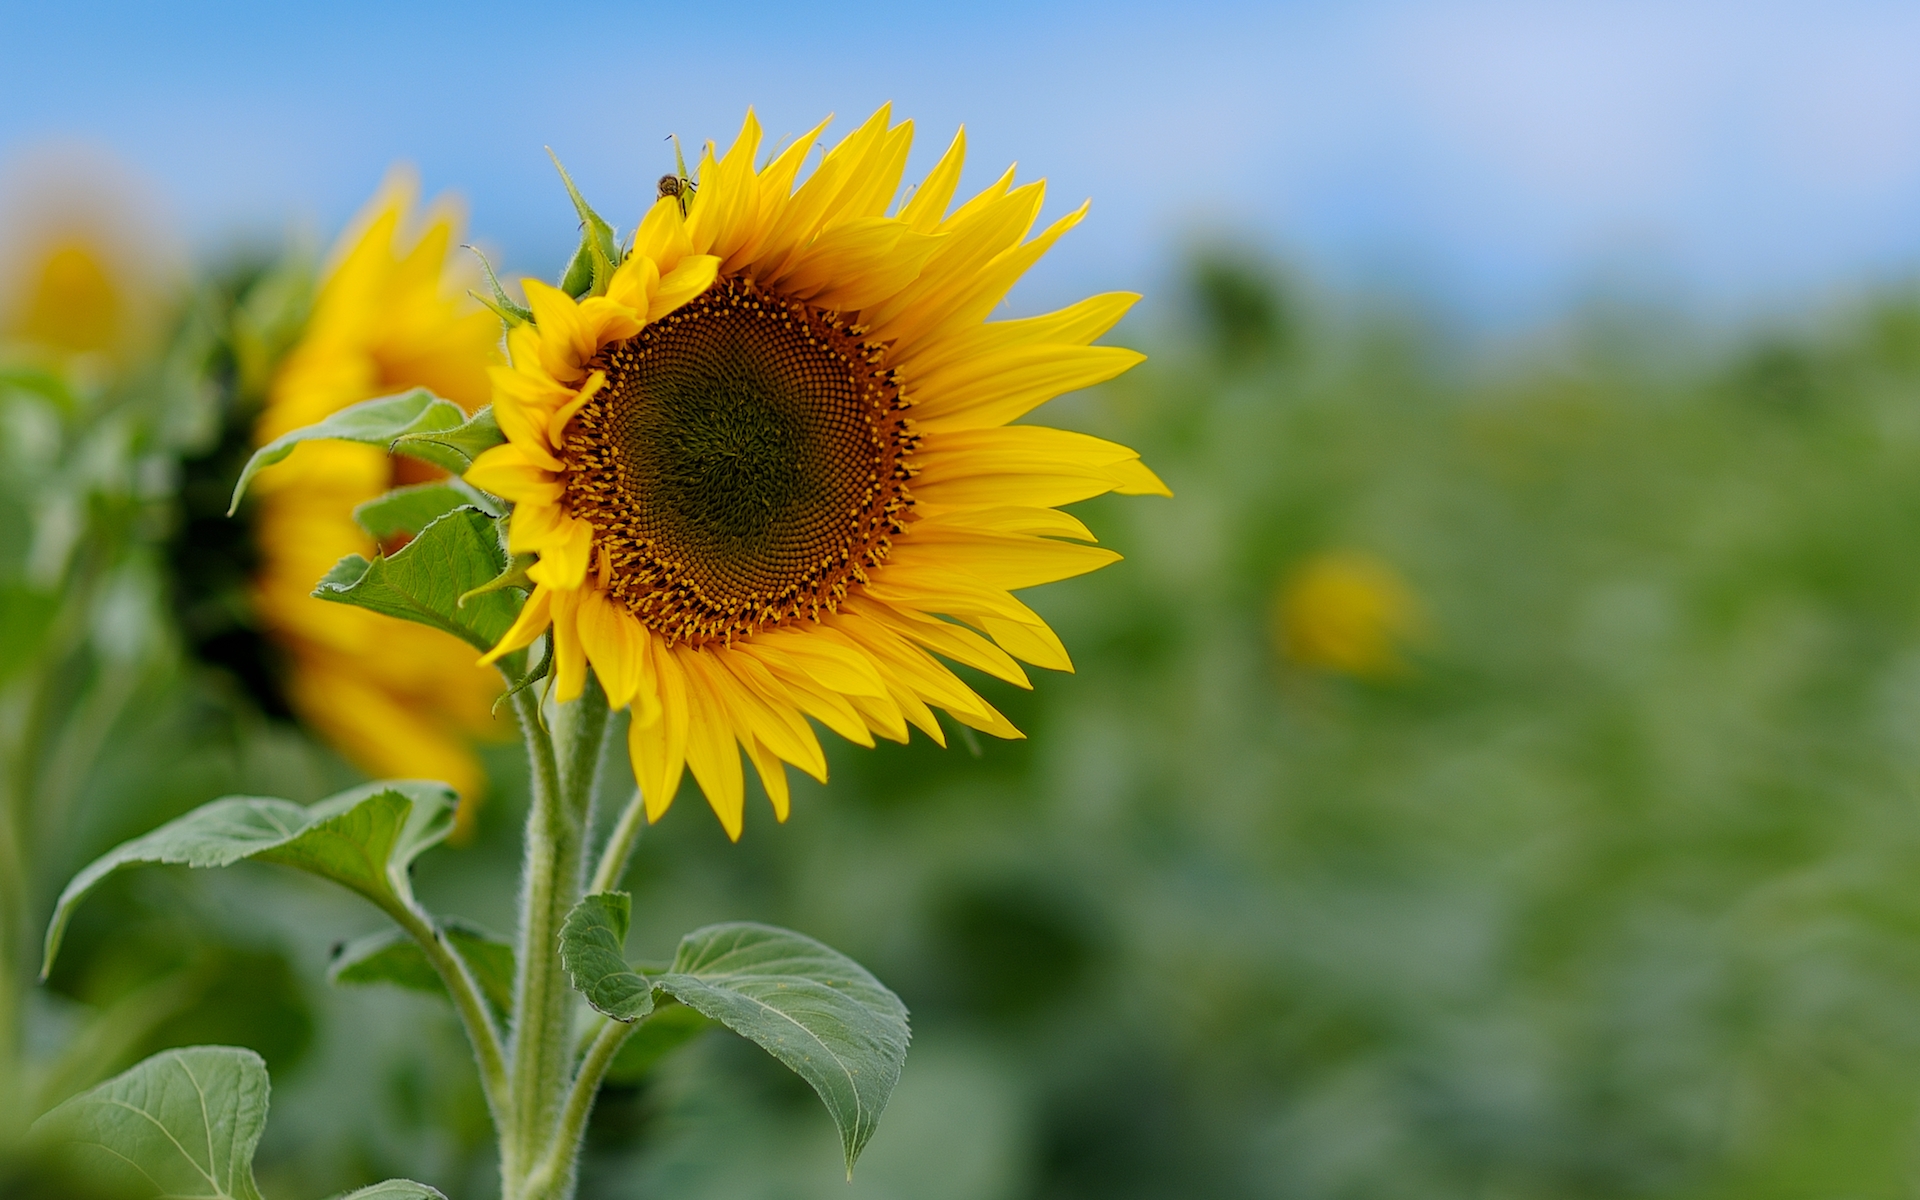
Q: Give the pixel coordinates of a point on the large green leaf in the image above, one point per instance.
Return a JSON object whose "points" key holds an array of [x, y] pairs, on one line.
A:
{"points": [[182, 1125], [363, 839], [811, 1007], [391, 957], [382, 421], [426, 580], [408, 510], [590, 948]]}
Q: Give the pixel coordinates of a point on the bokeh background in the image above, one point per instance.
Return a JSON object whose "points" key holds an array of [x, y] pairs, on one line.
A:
{"points": [[1496, 773]]}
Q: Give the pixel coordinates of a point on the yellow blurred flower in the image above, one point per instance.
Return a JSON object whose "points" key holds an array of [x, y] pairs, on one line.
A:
{"points": [[399, 700], [84, 264], [1348, 612]]}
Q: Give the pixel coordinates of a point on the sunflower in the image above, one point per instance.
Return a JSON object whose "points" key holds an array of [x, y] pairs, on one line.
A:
{"points": [[85, 269], [768, 469], [396, 699]]}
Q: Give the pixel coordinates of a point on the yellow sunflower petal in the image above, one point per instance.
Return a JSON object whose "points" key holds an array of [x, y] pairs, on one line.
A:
{"points": [[929, 203], [614, 642], [712, 753], [569, 656], [727, 202], [659, 749], [535, 615], [996, 388], [773, 777], [505, 471], [662, 236]]}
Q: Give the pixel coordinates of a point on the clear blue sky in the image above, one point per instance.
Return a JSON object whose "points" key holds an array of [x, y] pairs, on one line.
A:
{"points": [[1495, 157]]}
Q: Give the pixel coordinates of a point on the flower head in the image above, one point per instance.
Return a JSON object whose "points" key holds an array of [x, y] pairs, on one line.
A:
{"points": [[1347, 612], [398, 699], [766, 461]]}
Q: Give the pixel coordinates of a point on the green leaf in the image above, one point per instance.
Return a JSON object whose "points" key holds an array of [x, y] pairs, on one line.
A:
{"points": [[808, 1005], [671, 1026], [424, 581], [363, 839], [408, 510], [376, 422], [391, 957], [26, 614], [396, 1189], [182, 1125], [591, 944], [452, 449]]}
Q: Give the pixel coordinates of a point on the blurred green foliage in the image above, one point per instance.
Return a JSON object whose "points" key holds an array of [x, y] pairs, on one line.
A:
{"points": [[1615, 893]]}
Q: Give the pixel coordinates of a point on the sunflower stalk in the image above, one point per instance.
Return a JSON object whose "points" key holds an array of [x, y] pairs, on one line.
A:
{"points": [[799, 479], [565, 765]]}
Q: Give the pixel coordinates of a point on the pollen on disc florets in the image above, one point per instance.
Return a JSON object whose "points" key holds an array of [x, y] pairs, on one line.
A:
{"points": [[744, 466]]}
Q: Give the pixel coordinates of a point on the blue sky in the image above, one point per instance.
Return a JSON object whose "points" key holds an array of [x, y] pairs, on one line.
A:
{"points": [[1497, 158]]}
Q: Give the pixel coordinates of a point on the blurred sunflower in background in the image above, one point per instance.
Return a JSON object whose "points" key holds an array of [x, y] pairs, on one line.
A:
{"points": [[390, 313], [86, 267], [282, 349], [1347, 612], [766, 460]]}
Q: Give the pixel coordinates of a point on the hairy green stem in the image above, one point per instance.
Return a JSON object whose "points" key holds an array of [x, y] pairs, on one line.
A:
{"points": [[620, 844], [563, 780], [555, 1176]]}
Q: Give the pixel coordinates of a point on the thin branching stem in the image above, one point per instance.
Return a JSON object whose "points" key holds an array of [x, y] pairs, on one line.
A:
{"points": [[555, 1176], [469, 1002], [619, 848]]}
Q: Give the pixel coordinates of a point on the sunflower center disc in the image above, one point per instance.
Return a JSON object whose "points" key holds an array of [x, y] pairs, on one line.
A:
{"points": [[742, 467]]}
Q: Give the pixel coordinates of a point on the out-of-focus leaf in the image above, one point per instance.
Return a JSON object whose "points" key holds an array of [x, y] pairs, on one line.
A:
{"points": [[452, 449], [808, 1005], [25, 615], [408, 510], [424, 580], [377, 422], [181, 1125], [363, 839], [591, 944], [396, 1189], [670, 1026], [392, 957]]}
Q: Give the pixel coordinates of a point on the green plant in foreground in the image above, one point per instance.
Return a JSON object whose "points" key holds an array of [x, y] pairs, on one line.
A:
{"points": [[751, 468]]}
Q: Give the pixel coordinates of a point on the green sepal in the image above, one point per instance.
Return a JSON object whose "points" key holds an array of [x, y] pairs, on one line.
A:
{"points": [[426, 580], [382, 421], [513, 575], [408, 510], [539, 671], [363, 839], [391, 957], [599, 253], [670, 1026], [454, 449], [591, 949], [501, 304], [184, 1123]]}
